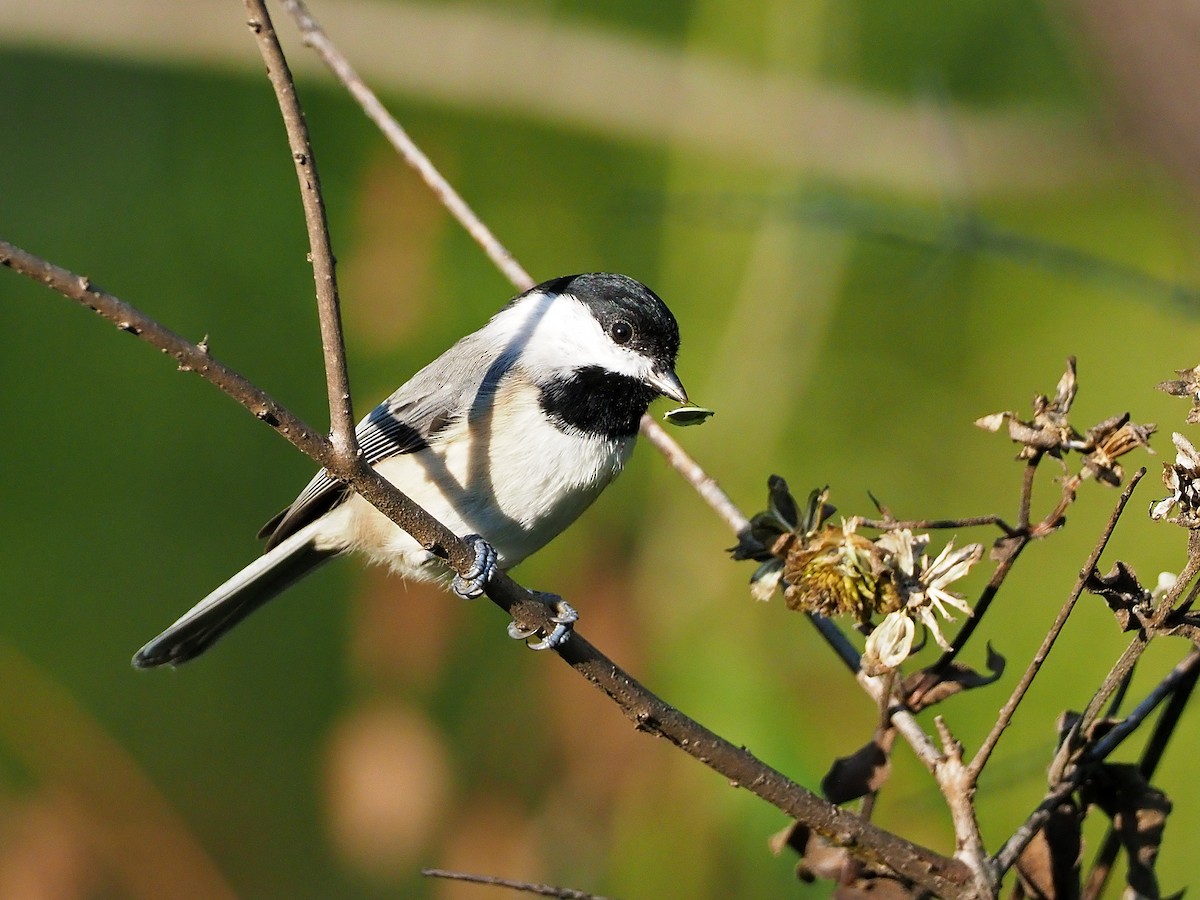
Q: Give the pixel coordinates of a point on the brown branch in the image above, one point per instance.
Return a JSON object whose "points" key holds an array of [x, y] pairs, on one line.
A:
{"points": [[337, 380], [1018, 694], [525, 887], [945, 877]]}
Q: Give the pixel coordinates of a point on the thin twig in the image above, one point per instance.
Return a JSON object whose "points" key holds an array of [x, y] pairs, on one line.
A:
{"points": [[333, 345], [315, 37], [936, 524], [837, 641], [1026, 505], [525, 887], [1011, 551], [703, 483], [1125, 664], [1018, 694]]}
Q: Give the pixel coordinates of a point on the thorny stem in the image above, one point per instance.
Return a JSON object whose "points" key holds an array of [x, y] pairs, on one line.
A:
{"points": [[1018, 694], [337, 379], [1151, 756]]}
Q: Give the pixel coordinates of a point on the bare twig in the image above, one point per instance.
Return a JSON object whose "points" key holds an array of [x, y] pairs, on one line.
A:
{"points": [[1010, 552], [1018, 694], [932, 524], [1123, 666], [703, 483], [525, 887], [316, 38], [337, 380]]}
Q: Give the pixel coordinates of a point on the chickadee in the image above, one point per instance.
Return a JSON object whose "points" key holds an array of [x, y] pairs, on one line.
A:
{"points": [[505, 438]]}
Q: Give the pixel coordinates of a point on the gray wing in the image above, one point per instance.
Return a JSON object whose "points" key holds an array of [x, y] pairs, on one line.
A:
{"points": [[406, 422]]}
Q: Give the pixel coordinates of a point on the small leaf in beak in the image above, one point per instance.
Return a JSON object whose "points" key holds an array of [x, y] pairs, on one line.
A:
{"points": [[688, 415]]}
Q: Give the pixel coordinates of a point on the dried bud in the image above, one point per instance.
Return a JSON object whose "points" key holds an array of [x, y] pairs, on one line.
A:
{"points": [[1113, 438], [1188, 386], [889, 644]]}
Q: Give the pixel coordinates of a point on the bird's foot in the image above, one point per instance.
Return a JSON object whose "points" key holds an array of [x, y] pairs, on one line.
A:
{"points": [[564, 619], [483, 569]]}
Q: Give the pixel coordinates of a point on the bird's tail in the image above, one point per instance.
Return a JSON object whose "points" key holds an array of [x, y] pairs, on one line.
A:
{"points": [[201, 626]]}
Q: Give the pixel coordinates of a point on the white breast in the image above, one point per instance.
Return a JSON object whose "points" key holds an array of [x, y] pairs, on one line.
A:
{"points": [[515, 479]]}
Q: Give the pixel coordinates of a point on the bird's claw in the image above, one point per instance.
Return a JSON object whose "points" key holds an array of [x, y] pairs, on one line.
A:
{"points": [[483, 569], [564, 619]]}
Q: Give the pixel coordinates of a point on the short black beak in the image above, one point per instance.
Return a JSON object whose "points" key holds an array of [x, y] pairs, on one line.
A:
{"points": [[668, 384]]}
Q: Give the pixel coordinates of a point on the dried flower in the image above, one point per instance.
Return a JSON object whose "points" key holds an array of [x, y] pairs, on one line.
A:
{"points": [[1112, 439], [1050, 432], [1181, 479], [922, 584], [773, 532], [836, 571], [833, 570]]}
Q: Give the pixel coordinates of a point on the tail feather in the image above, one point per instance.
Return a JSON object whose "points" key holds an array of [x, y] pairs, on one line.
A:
{"points": [[266, 577]]}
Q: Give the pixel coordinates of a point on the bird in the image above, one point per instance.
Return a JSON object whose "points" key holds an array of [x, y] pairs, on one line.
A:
{"points": [[506, 438]]}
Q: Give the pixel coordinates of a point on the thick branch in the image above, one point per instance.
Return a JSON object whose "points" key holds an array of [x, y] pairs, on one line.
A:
{"points": [[945, 877]]}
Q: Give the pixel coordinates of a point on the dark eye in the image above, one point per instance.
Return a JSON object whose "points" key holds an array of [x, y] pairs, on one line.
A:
{"points": [[621, 332]]}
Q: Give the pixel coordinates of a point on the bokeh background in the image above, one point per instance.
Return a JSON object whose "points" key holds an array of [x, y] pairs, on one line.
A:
{"points": [[875, 221]]}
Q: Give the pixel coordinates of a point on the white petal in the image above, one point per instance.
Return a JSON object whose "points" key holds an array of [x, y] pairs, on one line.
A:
{"points": [[763, 586], [1162, 508], [890, 643], [1186, 455], [992, 422], [951, 565]]}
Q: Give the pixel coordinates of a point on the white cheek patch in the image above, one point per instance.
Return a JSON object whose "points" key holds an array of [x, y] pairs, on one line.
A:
{"points": [[568, 337]]}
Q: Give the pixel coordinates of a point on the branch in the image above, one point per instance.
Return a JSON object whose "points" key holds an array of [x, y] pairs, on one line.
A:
{"points": [[1010, 707], [1151, 756], [945, 877], [525, 887], [316, 38], [1098, 752], [333, 345]]}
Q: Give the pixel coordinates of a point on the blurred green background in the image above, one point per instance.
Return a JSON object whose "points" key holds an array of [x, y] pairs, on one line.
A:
{"points": [[875, 222]]}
